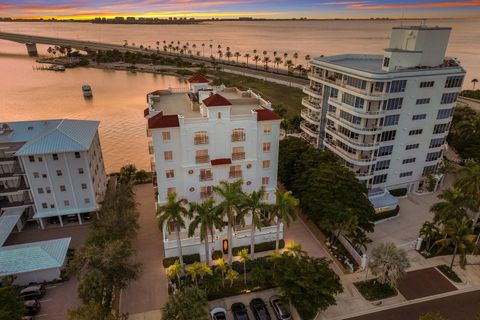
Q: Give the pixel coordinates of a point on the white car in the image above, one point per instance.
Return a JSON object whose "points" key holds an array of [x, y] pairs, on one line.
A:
{"points": [[218, 314]]}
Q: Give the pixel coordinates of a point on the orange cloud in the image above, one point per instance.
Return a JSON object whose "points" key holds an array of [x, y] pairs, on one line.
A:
{"points": [[441, 4]]}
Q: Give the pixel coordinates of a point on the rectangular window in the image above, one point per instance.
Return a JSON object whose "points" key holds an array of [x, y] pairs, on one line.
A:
{"points": [[454, 82], [84, 186], [265, 180], [63, 188], [266, 164], [266, 147], [440, 128], [393, 104], [388, 135], [168, 155], [40, 190], [267, 128], [48, 190], [55, 156], [427, 84], [382, 165], [170, 174], [353, 101], [166, 136], [171, 190], [36, 175], [350, 118], [444, 113], [386, 62], [52, 206], [77, 155], [238, 153], [385, 151], [238, 134], [355, 82], [415, 132], [80, 171], [66, 203], [412, 146], [429, 169], [87, 200], [201, 137], [59, 173], [432, 156], [423, 101], [409, 160], [397, 86], [44, 205], [422, 116], [448, 98], [382, 178], [40, 159], [44, 175], [201, 156], [31, 158], [391, 120], [438, 142], [406, 174]]}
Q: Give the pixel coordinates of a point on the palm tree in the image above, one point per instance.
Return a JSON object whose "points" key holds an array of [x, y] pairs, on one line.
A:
{"points": [[264, 53], [231, 276], [203, 49], [295, 56], [174, 271], [222, 266], [283, 211], [452, 206], [458, 233], [247, 55], [285, 55], [474, 83], [237, 55], [389, 263], [277, 61], [206, 219], [211, 47], [171, 214], [203, 270], [232, 196], [266, 60], [244, 257], [307, 58], [256, 58], [429, 232], [254, 205], [469, 184], [192, 270], [220, 54], [288, 64], [228, 54]]}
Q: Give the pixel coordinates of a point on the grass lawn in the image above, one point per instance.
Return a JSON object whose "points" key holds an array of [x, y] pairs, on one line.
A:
{"points": [[290, 98], [373, 290], [450, 274]]}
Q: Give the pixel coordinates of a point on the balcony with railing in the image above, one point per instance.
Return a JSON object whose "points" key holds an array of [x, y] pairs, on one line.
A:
{"points": [[360, 158], [238, 137], [18, 187], [235, 174], [202, 159], [238, 156], [312, 117], [362, 112], [366, 128], [313, 91], [207, 176], [310, 129], [311, 104], [364, 142], [200, 140]]}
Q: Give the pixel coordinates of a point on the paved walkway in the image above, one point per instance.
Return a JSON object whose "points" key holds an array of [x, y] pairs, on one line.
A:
{"points": [[149, 292]]}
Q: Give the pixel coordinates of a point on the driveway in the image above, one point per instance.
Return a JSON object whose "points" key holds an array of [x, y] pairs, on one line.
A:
{"points": [[424, 283], [149, 292]]}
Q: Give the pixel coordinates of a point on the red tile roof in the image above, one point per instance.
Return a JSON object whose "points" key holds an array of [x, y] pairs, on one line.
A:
{"points": [[267, 115], [217, 162], [146, 112], [161, 121], [216, 100], [198, 79]]}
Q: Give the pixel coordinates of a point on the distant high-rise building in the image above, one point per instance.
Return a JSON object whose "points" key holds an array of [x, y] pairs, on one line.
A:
{"points": [[386, 116]]}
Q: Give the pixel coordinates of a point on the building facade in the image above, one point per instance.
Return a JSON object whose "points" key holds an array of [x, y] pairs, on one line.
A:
{"points": [[50, 170], [204, 135], [386, 116]]}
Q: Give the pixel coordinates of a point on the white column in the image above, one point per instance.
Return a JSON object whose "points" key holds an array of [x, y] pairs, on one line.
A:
{"points": [[61, 220]]}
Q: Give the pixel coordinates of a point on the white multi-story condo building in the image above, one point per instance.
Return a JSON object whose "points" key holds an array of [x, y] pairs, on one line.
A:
{"points": [[203, 135], [386, 116], [49, 170]]}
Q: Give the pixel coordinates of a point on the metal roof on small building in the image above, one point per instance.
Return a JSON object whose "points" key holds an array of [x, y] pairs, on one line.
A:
{"points": [[8, 220], [35, 256]]}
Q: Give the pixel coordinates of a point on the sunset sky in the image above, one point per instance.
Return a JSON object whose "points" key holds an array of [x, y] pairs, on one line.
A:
{"points": [[235, 8]]}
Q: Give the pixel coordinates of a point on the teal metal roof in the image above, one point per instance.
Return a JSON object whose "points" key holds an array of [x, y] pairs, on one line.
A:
{"points": [[34, 256], [51, 136], [8, 220]]}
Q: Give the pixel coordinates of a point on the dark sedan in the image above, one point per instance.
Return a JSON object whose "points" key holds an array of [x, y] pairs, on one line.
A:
{"points": [[259, 309], [239, 311]]}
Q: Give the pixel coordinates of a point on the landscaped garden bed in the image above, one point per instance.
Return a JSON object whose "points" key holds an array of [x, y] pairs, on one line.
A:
{"points": [[259, 247], [373, 290], [450, 274], [387, 214], [187, 259]]}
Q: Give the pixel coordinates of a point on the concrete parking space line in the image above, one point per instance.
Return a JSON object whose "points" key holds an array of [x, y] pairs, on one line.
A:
{"points": [[46, 300], [41, 315]]}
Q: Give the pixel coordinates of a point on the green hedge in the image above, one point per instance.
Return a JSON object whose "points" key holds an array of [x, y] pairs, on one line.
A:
{"points": [[398, 192], [187, 259], [217, 254], [450, 274], [387, 214], [373, 290], [259, 247]]}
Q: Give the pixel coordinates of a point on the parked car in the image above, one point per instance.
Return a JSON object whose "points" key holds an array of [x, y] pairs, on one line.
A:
{"points": [[32, 292], [239, 311], [259, 309], [32, 306], [281, 312], [218, 314]]}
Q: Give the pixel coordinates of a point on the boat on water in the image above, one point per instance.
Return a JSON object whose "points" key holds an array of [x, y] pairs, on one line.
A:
{"points": [[59, 68], [87, 91]]}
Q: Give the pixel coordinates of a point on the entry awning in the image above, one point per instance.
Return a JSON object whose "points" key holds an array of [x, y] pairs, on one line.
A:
{"points": [[382, 201], [8, 220]]}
